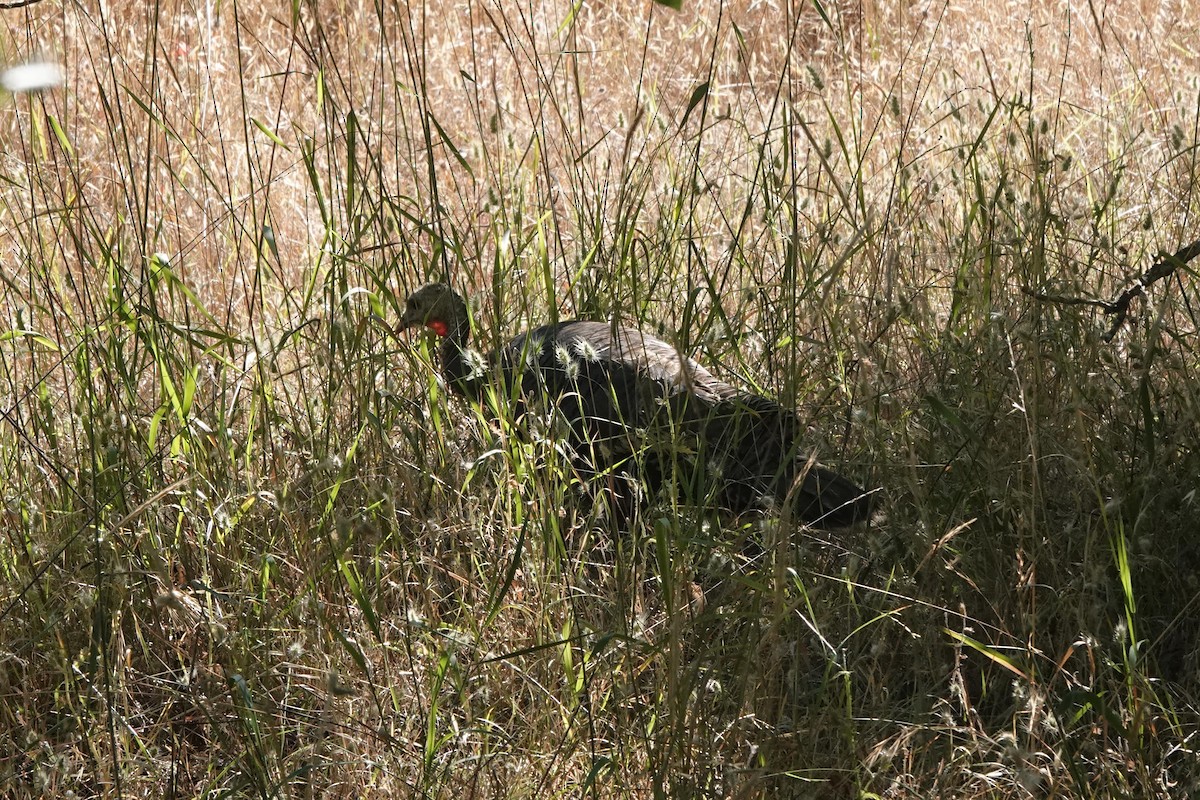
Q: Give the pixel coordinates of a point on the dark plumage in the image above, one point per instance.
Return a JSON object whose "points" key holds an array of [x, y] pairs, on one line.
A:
{"points": [[634, 404]]}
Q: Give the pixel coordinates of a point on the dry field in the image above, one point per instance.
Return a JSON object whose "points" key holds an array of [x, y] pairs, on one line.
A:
{"points": [[249, 546]]}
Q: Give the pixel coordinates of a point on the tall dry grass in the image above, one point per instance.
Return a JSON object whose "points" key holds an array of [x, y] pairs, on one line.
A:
{"points": [[252, 548]]}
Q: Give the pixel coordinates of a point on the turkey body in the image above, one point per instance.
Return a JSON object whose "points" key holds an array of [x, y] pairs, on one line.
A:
{"points": [[629, 403]]}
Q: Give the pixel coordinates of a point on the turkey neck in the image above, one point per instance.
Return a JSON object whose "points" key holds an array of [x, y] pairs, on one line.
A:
{"points": [[457, 368]]}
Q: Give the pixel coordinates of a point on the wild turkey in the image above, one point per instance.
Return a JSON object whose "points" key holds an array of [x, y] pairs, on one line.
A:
{"points": [[633, 404]]}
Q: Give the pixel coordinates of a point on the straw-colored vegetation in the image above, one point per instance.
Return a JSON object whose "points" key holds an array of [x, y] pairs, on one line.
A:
{"points": [[251, 547]]}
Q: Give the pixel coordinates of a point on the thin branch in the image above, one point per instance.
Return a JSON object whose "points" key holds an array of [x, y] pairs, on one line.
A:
{"points": [[1164, 267]]}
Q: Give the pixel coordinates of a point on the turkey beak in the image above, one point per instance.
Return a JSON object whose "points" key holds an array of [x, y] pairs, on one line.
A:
{"points": [[411, 319]]}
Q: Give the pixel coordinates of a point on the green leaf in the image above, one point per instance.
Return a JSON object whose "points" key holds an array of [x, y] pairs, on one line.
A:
{"points": [[270, 133], [61, 135], [949, 416], [988, 652], [698, 95], [155, 423], [509, 575], [454, 151], [44, 341]]}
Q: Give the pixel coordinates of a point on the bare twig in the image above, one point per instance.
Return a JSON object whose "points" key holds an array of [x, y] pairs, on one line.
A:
{"points": [[1164, 267]]}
